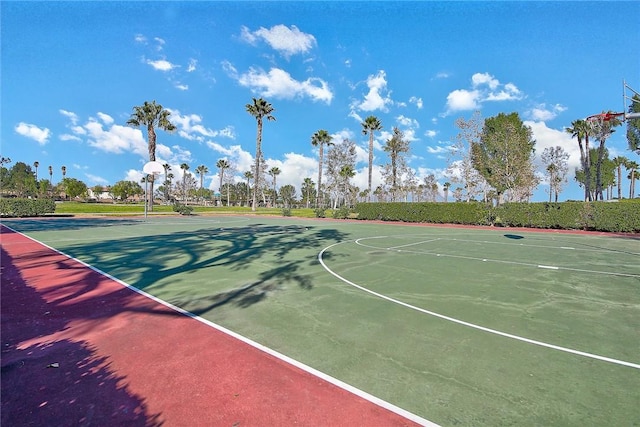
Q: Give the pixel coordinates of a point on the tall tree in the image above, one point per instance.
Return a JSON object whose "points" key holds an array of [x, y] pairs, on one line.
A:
{"points": [[602, 130], [185, 176], [619, 162], [633, 125], [152, 116], [35, 165], [64, 171], [339, 156], [504, 155], [167, 182], [370, 125], [581, 130], [460, 166], [634, 174], [555, 161], [274, 172], [248, 175], [346, 173], [51, 179], [260, 110], [223, 165], [607, 172], [308, 188], [202, 170], [397, 148], [288, 194], [320, 139]]}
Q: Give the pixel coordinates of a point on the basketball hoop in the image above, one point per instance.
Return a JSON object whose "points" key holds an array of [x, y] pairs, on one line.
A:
{"points": [[600, 124], [153, 169]]}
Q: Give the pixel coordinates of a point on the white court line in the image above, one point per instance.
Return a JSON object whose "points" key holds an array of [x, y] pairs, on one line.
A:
{"points": [[499, 261], [413, 244], [468, 324], [360, 393]]}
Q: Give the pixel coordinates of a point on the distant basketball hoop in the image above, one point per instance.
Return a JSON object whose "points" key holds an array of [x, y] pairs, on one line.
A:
{"points": [[153, 169]]}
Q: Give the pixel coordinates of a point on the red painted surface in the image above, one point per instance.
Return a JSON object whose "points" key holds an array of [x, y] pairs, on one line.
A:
{"points": [[80, 349]]}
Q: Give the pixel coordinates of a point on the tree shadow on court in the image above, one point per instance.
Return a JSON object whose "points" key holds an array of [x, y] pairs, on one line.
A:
{"points": [[59, 382], [142, 261]]}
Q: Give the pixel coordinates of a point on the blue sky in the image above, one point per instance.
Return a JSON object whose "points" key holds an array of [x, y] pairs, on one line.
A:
{"points": [[72, 72]]}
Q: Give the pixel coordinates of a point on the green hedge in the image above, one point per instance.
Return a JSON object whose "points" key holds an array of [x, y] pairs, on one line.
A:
{"points": [[26, 207], [622, 216]]}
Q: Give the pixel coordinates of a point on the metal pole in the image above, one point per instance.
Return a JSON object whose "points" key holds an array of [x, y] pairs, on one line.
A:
{"points": [[146, 201]]}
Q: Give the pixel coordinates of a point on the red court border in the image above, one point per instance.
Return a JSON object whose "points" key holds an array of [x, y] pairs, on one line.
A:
{"points": [[80, 348]]}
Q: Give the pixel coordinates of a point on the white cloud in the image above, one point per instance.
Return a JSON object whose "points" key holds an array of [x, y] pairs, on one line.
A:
{"points": [[479, 79], [439, 149], [67, 137], [73, 117], [182, 86], [378, 96], [484, 88], [96, 180], [116, 139], [430, 133], [106, 119], [441, 75], [406, 121], [543, 113], [192, 65], [417, 101], [190, 127], [287, 41], [161, 65], [462, 100], [548, 137], [278, 83], [139, 38], [242, 160], [41, 135]]}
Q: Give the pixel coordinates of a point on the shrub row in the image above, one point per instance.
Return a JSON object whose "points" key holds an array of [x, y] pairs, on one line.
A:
{"points": [[26, 207], [623, 216]]}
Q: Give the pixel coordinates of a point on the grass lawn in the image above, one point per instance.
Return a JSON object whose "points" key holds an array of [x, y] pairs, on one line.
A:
{"points": [[78, 208]]}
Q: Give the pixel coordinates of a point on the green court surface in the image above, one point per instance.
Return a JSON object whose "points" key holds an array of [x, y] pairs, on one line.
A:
{"points": [[460, 326]]}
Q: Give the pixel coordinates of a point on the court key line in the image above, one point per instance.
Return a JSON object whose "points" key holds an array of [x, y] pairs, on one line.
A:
{"points": [[306, 368], [500, 261], [468, 324]]}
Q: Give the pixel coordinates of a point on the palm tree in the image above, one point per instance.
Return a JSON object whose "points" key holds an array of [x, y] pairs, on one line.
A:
{"points": [[634, 174], [222, 165], [260, 109], [151, 115], [51, 178], [167, 168], [346, 173], [619, 162], [185, 168], [603, 130], [369, 126], [395, 146], [319, 139], [274, 172], [35, 165], [581, 129], [64, 172], [249, 176], [202, 170], [307, 189]]}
